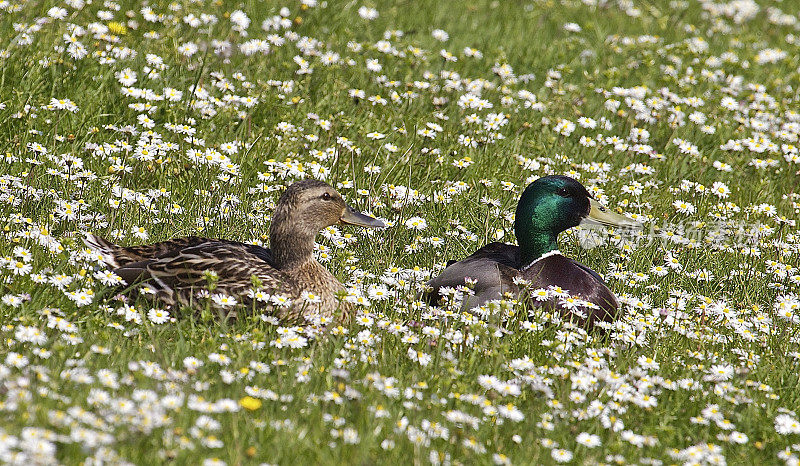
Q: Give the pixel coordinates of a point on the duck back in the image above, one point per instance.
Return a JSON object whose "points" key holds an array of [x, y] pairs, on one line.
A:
{"points": [[491, 268]]}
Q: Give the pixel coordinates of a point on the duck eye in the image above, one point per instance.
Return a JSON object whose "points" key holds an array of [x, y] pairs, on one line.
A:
{"points": [[326, 196], [563, 192]]}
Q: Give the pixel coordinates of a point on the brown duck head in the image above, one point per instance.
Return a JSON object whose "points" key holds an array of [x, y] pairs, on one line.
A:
{"points": [[305, 208]]}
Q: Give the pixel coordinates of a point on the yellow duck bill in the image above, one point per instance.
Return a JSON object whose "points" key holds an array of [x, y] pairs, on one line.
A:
{"points": [[599, 215], [353, 217]]}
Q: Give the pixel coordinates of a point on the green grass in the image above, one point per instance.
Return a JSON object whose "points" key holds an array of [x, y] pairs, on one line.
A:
{"points": [[62, 404]]}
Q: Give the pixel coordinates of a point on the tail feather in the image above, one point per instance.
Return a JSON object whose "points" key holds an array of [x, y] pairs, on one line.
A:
{"points": [[106, 248], [133, 272]]}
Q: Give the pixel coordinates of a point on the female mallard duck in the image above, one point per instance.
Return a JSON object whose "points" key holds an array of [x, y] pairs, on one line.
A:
{"points": [[176, 270], [548, 206]]}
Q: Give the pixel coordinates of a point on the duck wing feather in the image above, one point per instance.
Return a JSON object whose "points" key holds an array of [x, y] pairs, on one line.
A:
{"points": [[492, 268], [234, 264], [119, 256], [175, 274]]}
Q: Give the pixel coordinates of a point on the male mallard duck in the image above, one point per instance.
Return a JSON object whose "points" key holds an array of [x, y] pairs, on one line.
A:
{"points": [[547, 207], [176, 270]]}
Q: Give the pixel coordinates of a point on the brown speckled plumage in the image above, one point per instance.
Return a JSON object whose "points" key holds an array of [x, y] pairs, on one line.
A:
{"points": [[176, 270]]}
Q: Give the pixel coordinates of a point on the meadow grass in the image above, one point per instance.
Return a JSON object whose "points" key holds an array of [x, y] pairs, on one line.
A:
{"points": [[145, 122]]}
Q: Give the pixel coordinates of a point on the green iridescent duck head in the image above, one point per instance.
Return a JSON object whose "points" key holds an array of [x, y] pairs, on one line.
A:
{"points": [[553, 204]]}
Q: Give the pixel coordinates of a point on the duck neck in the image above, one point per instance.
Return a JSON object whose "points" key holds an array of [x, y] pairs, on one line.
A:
{"points": [[291, 248], [535, 244], [537, 223], [535, 234]]}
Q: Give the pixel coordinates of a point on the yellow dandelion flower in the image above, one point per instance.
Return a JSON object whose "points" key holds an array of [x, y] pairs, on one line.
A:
{"points": [[249, 403]]}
